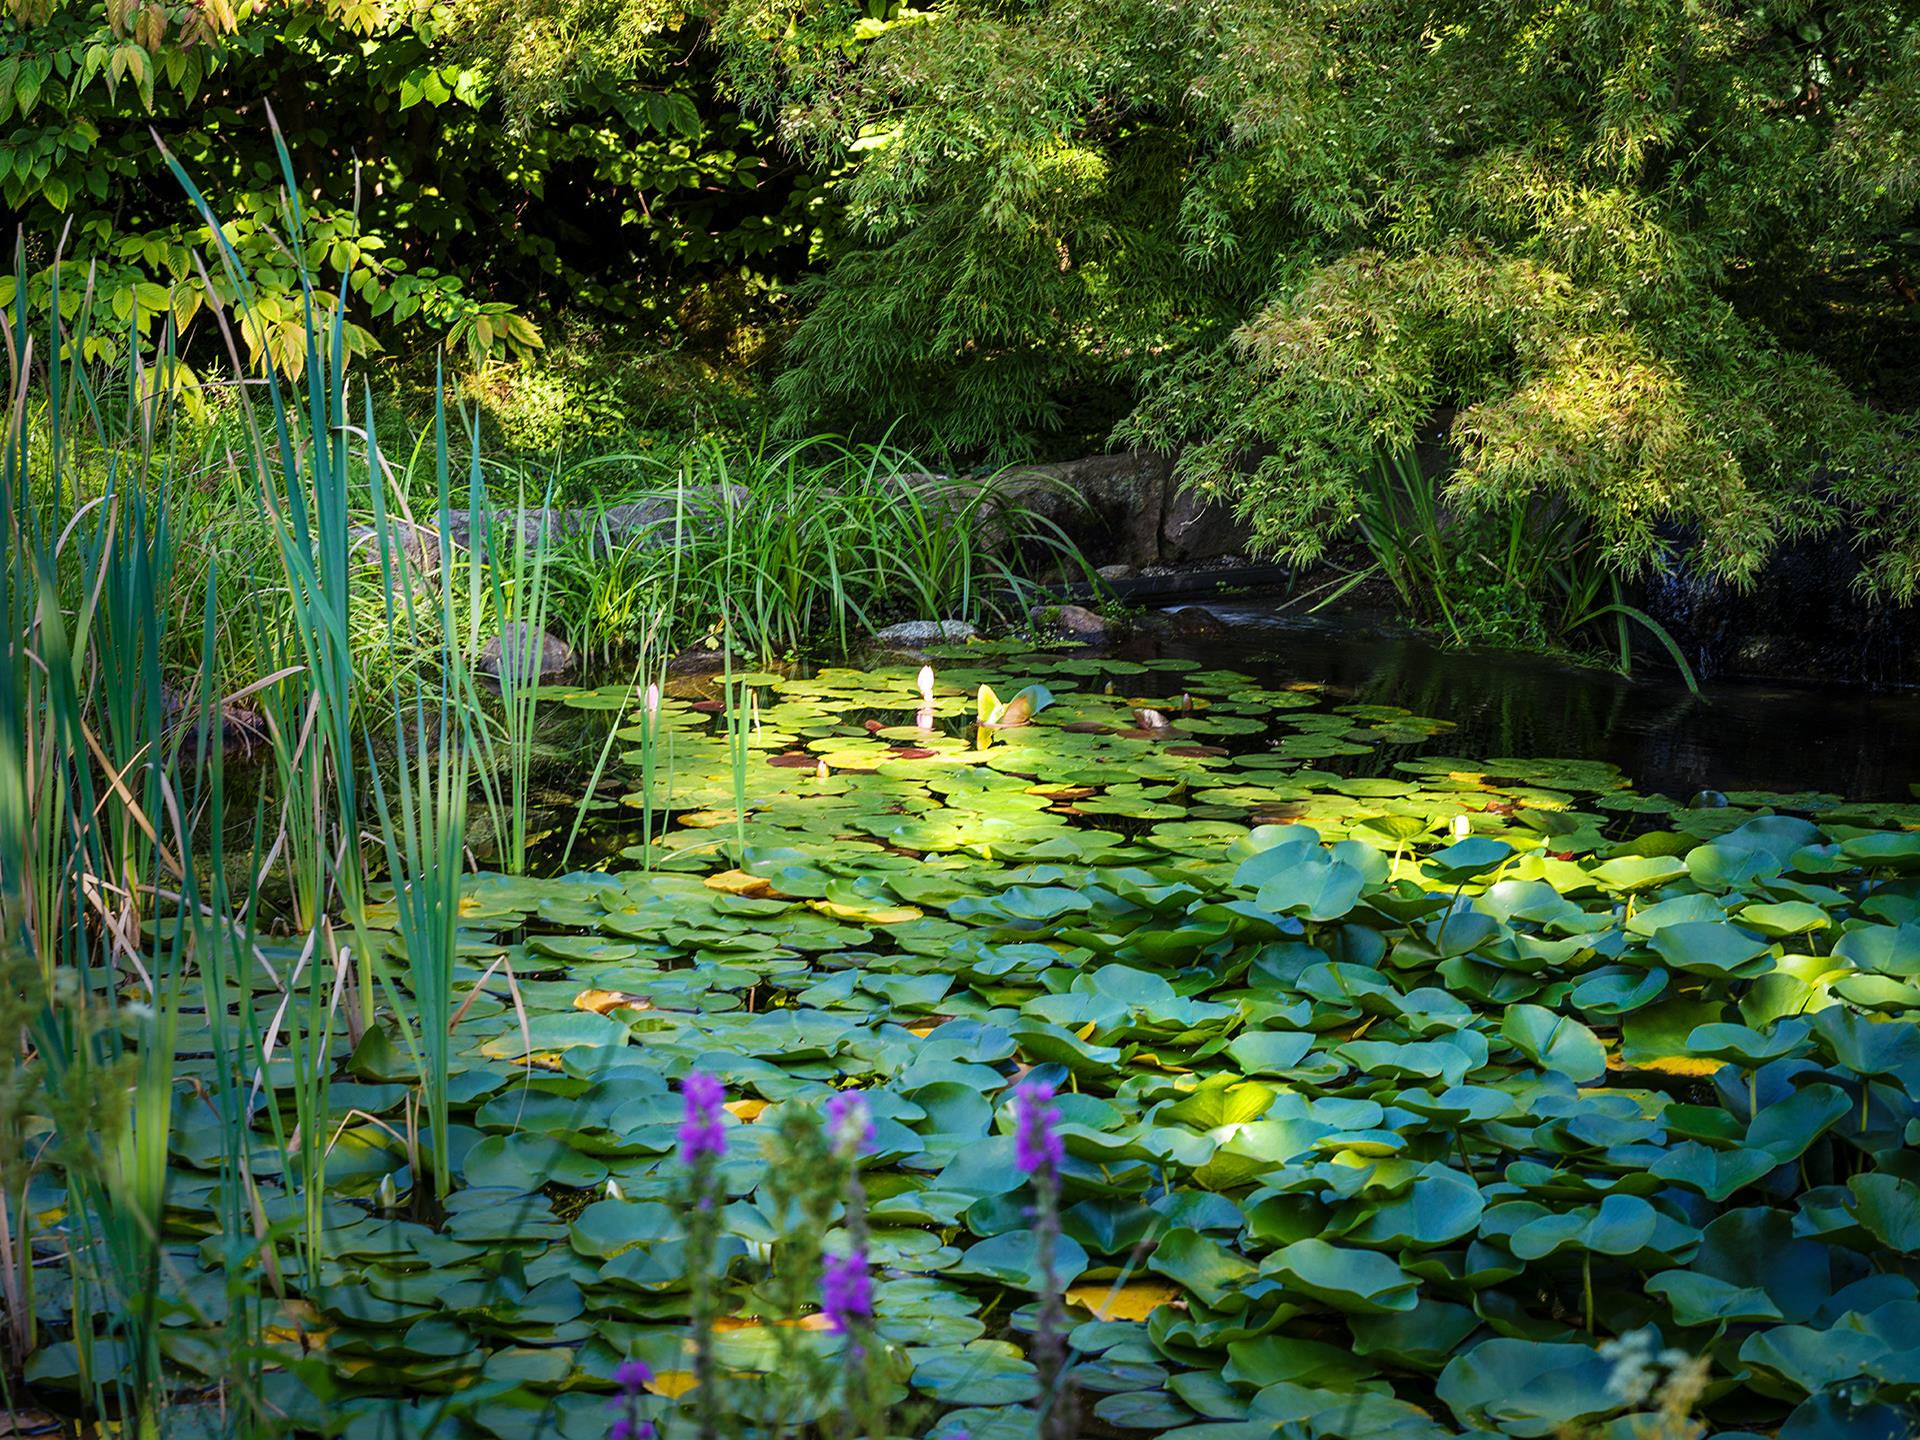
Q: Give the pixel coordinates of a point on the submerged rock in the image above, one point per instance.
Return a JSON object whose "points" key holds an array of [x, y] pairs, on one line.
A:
{"points": [[704, 660], [536, 657], [1116, 572], [1076, 622], [926, 632], [1192, 620]]}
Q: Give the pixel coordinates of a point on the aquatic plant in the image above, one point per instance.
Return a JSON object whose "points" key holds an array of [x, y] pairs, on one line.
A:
{"points": [[810, 545], [631, 1379], [1531, 574]]}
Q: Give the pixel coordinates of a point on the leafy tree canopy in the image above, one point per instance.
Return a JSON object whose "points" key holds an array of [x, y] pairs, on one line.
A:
{"points": [[1650, 257], [473, 166]]}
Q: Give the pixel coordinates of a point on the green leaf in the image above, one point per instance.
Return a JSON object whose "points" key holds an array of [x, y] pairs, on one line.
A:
{"points": [[1527, 1388], [1555, 1042], [1356, 1282]]}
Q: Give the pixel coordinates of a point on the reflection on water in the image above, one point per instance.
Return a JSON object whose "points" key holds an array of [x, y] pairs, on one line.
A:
{"points": [[1863, 745]]}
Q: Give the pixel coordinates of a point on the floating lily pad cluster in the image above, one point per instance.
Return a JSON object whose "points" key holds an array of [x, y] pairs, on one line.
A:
{"points": [[1393, 1084]]}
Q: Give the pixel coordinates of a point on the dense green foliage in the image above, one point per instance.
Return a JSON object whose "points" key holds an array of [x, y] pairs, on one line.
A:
{"points": [[1649, 260], [460, 185], [1391, 1093], [1648, 266]]}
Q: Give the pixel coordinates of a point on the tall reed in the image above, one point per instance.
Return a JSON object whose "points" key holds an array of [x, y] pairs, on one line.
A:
{"points": [[136, 892]]}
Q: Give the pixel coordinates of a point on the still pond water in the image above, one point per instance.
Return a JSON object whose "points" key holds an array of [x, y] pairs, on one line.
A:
{"points": [[1736, 735]]}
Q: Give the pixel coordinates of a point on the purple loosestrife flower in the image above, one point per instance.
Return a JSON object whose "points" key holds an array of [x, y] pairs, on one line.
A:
{"points": [[631, 1378], [1036, 1146], [848, 1126], [846, 1291], [702, 1135]]}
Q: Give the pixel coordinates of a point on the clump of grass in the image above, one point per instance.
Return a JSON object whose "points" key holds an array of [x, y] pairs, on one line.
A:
{"points": [[124, 905], [814, 544]]}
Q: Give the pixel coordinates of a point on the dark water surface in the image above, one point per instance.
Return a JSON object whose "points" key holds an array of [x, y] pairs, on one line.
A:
{"points": [[1737, 735]]}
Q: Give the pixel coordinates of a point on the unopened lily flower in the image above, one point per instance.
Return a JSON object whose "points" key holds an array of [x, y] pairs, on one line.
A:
{"points": [[926, 684]]}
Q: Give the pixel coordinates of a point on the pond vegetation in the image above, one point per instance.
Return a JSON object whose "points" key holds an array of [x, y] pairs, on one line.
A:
{"points": [[1013, 1042], [1389, 1084]]}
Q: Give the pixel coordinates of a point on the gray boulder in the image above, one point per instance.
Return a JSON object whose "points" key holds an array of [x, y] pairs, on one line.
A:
{"points": [[910, 633], [1108, 505], [533, 655], [1075, 622]]}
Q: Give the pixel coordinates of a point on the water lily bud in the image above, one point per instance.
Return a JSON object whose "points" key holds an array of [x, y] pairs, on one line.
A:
{"points": [[614, 1192], [1462, 827], [821, 771], [653, 701], [926, 684], [389, 1196]]}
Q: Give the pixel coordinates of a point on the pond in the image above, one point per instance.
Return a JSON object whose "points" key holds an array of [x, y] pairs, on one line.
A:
{"points": [[1735, 735], [1405, 1055]]}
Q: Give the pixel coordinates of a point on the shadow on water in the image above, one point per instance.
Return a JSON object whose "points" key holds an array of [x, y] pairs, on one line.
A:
{"points": [[1860, 744]]}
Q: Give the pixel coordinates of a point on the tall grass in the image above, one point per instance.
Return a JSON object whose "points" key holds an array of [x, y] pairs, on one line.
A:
{"points": [[1533, 574], [137, 890], [815, 543], [181, 947]]}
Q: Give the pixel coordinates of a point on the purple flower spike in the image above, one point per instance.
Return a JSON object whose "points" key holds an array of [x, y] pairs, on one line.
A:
{"points": [[1036, 1148], [702, 1135], [632, 1376], [848, 1125], [846, 1291]]}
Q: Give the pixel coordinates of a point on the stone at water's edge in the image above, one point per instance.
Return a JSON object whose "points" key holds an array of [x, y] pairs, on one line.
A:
{"points": [[1127, 508], [541, 656], [1191, 621], [926, 632], [1076, 622], [1805, 617]]}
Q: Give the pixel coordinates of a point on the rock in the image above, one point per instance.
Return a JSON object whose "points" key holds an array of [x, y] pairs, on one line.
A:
{"points": [[242, 730], [1074, 621], [1109, 505], [413, 550], [1116, 572], [1193, 621], [1195, 529], [911, 633], [651, 520], [542, 656], [700, 660], [1805, 617]]}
